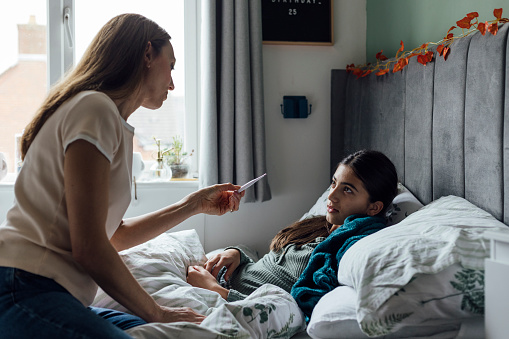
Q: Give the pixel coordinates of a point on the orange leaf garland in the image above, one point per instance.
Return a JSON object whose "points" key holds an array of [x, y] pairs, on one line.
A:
{"points": [[357, 72], [401, 49], [493, 28], [429, 55], [449, 35], [497, 13], [482, 27], [425, 58], [422, 59], [400, 65], [380, 56], [440, 50], [423, 55], [366, 73], [464, 23], [472, 15], [446, 52]]}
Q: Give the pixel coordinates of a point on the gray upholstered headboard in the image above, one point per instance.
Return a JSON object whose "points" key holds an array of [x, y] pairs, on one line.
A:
{"points": [[444, 125]]}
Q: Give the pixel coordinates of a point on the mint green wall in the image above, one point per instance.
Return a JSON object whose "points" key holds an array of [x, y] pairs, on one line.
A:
{"points": [[419, 21]]}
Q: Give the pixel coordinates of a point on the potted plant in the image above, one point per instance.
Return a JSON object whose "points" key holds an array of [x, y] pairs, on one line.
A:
{"points": [[176, 158]]}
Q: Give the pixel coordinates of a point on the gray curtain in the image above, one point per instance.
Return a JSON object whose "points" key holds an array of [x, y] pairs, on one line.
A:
{"points": [[232, 144]]}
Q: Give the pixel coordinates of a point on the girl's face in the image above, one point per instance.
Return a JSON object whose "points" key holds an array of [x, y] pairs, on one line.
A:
{"points": [[348, 196], [158, 79]]}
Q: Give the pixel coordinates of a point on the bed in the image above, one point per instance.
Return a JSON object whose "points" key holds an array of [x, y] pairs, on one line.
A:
{"points": [[444, 126]]}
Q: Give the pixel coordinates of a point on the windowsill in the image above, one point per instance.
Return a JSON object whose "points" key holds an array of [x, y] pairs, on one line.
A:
{"points": [[191, 182], [9, 180]]}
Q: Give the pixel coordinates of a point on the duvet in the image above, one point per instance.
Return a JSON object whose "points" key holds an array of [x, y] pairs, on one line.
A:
{"points": [[160, 266]]}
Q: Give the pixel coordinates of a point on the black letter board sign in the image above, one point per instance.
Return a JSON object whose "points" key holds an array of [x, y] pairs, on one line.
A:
{"points": [[297, 22]]}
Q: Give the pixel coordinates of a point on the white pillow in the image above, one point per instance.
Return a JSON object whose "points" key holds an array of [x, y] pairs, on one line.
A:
{"points": [[447, 232], [335, 313], [320, 206], [159, 264], [404, 204]]}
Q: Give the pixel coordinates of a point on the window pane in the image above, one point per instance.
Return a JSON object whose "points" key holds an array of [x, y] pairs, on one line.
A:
{"points": [[22, 69], [169, 120]]}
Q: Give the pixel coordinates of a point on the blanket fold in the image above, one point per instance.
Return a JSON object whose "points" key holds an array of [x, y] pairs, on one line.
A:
{"points": [[320, 275]]}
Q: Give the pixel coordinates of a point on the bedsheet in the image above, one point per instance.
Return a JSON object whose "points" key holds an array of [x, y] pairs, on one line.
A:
{"points": [[160, 266]]}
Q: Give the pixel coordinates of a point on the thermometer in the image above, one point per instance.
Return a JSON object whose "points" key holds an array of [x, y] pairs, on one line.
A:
{"points": [[251, 183]]}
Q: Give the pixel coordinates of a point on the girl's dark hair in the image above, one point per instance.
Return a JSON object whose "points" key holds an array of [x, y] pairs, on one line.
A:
{"points": [[377, 173], [301, 233], [380, 179]]}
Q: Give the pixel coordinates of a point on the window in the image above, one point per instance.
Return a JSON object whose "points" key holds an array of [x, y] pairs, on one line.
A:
{"points": [[68, 42], [23, 83]]}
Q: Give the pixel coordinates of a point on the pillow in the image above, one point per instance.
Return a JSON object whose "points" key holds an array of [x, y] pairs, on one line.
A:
{"points": [[320, 206], [390, 269], [335, 313], [159, 264], [404, 204]]}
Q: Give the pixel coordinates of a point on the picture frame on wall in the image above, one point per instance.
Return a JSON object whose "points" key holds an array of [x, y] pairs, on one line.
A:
{"points": [[297, 22]]}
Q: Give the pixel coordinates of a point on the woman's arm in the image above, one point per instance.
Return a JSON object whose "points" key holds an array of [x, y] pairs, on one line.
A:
{"points": [[86, 180], [215, 200]]}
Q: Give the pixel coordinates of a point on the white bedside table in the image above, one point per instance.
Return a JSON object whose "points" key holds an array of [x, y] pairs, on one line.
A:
{"points": [[496, 277]]}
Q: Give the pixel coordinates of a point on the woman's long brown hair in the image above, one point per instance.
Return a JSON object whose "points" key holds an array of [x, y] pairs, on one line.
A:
{"points": [[112, 64], [301, 233]]}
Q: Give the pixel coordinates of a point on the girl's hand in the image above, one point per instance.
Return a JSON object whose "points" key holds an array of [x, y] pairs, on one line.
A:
{"points": [[217, 199], [229, 258], [198, 276]]}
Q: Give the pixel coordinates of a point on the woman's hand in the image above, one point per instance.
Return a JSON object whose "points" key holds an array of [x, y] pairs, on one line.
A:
{"points": [[229, 258], [217, 199], [200, 277], [175, 314]]}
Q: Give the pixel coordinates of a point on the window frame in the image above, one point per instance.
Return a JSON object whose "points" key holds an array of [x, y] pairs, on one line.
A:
{"points": [[192, 69], [60, 53]]}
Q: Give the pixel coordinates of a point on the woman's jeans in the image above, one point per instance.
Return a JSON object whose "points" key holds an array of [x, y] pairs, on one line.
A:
{"points": [[32, 306]]}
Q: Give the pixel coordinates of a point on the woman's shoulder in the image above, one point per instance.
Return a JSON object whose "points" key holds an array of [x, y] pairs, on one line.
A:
{"points": [[93, 98], [91, 105]]}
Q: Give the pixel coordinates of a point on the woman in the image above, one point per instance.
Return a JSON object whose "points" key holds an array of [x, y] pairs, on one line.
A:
{"points": [[60, 239], [364, 184]]}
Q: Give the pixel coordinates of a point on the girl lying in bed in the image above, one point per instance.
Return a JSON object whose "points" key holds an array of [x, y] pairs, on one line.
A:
{"points": [[363, 186]]}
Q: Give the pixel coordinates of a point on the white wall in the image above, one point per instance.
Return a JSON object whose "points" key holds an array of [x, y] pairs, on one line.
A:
{"points": [[297, 149]]}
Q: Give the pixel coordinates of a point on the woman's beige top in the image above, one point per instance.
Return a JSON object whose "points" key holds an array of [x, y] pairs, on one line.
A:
{"points": [[35, 235]]}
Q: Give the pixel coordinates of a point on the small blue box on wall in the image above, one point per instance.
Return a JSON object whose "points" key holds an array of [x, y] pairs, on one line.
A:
{"points": [[295, 107]]}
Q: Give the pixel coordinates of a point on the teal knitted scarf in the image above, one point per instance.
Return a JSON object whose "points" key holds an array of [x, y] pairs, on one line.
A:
{"points": [[321, 274]]}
